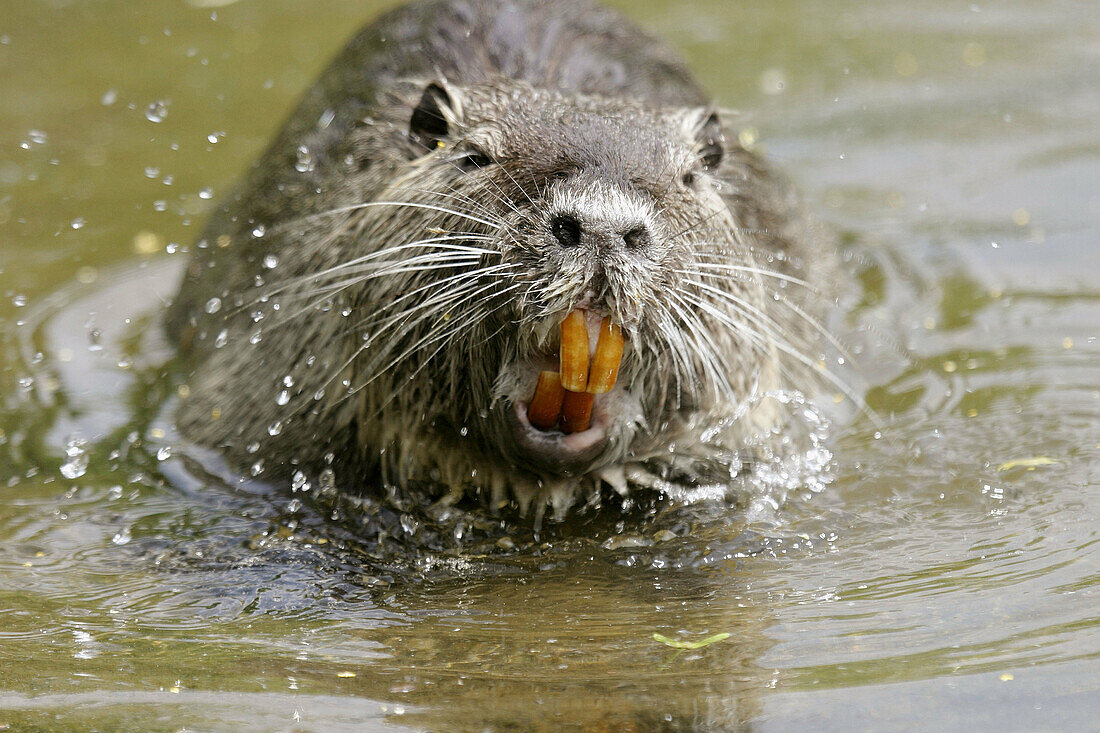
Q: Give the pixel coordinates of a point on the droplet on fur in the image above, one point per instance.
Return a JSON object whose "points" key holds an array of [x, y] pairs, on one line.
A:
{"points": [[327, 481], [304, 162]]}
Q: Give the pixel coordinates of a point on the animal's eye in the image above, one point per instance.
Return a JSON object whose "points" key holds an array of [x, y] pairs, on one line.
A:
{"points": [[475, 159]]}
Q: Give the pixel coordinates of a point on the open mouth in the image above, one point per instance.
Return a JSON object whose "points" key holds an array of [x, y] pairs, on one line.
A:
{"points": [[563, 399], [561, 427]]}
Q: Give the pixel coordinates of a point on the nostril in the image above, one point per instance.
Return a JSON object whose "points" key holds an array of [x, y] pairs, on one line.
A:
{"points": [[636, 238], [567, 230]]}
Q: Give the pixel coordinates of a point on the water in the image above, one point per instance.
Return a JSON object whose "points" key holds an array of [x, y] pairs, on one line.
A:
{"points": [[946, 576]]}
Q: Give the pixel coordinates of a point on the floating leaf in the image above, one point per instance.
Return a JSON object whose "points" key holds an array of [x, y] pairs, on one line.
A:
{"points": [[1026, 463], [677, 644]]}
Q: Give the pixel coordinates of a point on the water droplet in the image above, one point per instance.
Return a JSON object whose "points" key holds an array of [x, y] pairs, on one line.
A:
{"points": [[164, 453], [78, 222], [305, 162], [319, 394], [122, 537], [206, 193], [253, 446], [271, 262], [282, 398], [257, 468], [255, 337], [773, 81], [37, 137], [288, 381], [213, 305], [275, 428], [19, 300], [151, 172], [222, 339], [160, 205], [214, 137], [156, 111], [109, 97], [409, 523], [299, 482], [294, 505], [77, 455], [259, 231], [327, 481]]}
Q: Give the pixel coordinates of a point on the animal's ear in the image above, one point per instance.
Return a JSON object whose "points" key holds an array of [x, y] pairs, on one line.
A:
{"points": [[429, 122], [709, 139]]}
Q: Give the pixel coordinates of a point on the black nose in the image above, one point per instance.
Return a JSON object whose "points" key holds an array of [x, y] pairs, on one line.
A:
{"points": [[566, 230], [569, 231]]}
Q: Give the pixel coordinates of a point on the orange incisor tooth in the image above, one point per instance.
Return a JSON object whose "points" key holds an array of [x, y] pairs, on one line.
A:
{"points": [[605, 362], [574, 352], [545, 407], [576, 412]]}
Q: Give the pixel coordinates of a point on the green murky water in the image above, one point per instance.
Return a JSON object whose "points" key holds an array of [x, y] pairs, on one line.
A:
{"points": [[947, 575]]}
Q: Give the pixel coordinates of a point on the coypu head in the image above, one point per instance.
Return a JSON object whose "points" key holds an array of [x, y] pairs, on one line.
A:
{"points": [[508, 208]]}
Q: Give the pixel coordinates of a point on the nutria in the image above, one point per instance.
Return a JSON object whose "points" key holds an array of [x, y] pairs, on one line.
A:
{"points": [[381, 294]]}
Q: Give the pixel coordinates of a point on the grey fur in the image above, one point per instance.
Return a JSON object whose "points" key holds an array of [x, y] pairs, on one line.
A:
{"points": [[364, 302]]}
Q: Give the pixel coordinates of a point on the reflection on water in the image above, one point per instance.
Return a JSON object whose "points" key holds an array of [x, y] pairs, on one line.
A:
{"points": [[946, 575]]}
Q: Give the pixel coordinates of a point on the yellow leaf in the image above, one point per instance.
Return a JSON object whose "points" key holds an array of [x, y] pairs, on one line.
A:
{"points": [[677, 644], [1026, 463]]}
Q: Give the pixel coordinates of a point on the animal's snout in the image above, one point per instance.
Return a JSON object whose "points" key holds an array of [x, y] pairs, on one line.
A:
{"points": [[571, 231]]}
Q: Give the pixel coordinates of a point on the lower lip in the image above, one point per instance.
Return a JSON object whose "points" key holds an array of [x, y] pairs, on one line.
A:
{"points": [[574, 443]]}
